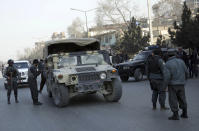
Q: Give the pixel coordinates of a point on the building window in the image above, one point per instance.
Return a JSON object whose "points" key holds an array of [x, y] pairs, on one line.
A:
{"points": [[106, 39], [110, 37]]}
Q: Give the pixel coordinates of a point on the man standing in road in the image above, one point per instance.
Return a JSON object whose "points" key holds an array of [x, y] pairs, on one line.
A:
{"points": [[155, 73], [176, 80], [41, 67], [12, 75], [32, 80]]}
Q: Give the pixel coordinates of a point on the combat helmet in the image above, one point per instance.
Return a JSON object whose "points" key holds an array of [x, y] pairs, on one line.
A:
{"points": [[10, 62], [35, 61]]}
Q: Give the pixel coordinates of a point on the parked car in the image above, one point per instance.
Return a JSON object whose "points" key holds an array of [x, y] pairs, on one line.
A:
{"points": [[134, 68], [22, 67]]}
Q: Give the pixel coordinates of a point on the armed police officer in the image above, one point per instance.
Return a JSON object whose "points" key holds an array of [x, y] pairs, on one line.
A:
{"points": [[155, 74], [176, 80], [12, 76], [41, 67], [32, 79]]}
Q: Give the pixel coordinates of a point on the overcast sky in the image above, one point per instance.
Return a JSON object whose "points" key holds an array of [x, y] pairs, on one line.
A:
{"points": [[24, 22]]}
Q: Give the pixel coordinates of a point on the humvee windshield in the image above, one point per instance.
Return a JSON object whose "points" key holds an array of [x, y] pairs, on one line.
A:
{"points": [[86, 59], [93, 59], [67, 61]]}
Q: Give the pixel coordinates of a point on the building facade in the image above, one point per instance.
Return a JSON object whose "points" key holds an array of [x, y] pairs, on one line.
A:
{"points": [[193, 4]]}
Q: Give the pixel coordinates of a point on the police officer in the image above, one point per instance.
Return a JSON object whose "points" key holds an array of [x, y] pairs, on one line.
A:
{"points": [[32, 79], [41, 67], [176, 80], [12, 75], [154, 70]]}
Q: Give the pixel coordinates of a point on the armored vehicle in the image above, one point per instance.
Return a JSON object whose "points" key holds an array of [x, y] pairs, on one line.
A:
{"points": [[78, 66], [134, 68]]}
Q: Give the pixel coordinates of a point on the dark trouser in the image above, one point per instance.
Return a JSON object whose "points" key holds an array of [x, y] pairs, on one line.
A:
{"points": [[43, 81], [177, 95], [11, 86], [33, 89], [191, 71], [195, 70], [159, 92]]}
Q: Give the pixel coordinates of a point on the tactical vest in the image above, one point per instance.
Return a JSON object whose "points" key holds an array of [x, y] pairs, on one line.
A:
{"points": [[11, 71], [153, 65]]}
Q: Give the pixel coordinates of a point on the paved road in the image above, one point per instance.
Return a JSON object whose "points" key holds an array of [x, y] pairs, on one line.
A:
{"points": [[92, 113]]}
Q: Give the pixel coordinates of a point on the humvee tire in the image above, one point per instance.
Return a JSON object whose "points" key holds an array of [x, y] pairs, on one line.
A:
{"points": [[138, 75], [124, 78], [116, 91], [60, 95]]}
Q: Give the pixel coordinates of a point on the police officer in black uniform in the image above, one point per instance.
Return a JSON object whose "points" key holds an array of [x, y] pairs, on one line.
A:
{"points": [[41, 67], [32, 80], [155, 74], [12, 75]]}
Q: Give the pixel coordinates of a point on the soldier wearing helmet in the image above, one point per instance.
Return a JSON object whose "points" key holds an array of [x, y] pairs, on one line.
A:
{"points": [[32, 80], [12, 75]]}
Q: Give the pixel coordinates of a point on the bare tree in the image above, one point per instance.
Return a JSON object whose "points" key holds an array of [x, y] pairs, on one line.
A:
{"points": [[31, 53], [114, 12], [167, 11], [76, 29]]}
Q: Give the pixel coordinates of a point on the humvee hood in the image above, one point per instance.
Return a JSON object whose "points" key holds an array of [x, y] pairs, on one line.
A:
{"points": [[83, 69]]}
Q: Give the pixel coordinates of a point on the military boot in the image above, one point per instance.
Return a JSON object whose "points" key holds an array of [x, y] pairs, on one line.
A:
{"points": [[8, 100], [175, 116], [184, 113], [16, 100]]}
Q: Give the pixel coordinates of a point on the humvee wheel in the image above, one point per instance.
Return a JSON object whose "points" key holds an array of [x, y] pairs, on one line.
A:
{"points": [[115, 88], [60, 95], [138, 75]]}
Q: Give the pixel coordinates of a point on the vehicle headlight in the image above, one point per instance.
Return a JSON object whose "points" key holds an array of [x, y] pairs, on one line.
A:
{"points": [[60, 76], [103, 76]]}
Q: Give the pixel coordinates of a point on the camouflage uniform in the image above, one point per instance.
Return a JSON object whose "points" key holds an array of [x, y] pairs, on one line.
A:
{"points": [[12, 74]]}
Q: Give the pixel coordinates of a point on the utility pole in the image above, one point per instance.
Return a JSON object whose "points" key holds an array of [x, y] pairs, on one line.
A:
{"points": [[85, 13], [150, 21]]}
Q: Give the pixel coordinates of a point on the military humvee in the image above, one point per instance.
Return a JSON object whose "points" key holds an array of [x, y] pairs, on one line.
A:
{"points": [[78, 66]]}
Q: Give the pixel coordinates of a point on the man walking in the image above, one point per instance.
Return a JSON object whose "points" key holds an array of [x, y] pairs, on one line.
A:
{"points": [[155, 70], [32, 79], [176, 80], [41, 67], [12, 75]]}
